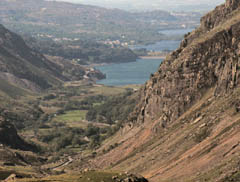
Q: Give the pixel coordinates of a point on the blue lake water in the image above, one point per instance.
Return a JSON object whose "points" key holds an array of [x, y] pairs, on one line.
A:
{"points": [[163, 45], [139, 72], [129, 73], [176, 31]]}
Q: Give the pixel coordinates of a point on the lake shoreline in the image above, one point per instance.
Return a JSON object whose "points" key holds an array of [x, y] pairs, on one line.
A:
{"points": [[137, 72], [152, 57]]}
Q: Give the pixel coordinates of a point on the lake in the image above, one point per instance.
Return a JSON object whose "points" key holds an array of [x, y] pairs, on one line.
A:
{"points": [[182, 31], [139, 72], [129, 73], [164, 45]]}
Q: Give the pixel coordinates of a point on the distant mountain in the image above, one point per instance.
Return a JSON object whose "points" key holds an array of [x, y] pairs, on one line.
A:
{"points": [[51, 19], [173, 5]]}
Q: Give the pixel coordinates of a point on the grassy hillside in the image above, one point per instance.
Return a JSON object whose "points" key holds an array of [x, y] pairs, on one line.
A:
{"points": [[11, 90], [19, 60]]}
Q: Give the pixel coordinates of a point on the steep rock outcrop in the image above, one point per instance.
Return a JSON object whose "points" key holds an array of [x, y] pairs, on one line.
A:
{"points": [[221, 14], [204, 60], [186, 125]]}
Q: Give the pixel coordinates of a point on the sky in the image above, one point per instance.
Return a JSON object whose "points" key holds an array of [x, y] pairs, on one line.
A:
{"points": [[169, 5]]}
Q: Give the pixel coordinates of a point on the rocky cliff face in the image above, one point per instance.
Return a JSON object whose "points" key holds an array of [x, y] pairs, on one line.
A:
{"points": [[208, 57], [186, 125], [222, 13]]}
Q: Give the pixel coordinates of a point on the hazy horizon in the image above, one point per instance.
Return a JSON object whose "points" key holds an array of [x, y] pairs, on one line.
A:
{"points": [[171, 5]]}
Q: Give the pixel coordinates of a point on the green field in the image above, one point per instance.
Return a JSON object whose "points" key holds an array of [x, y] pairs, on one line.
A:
{"points": [[73, 118], [92, 176]]}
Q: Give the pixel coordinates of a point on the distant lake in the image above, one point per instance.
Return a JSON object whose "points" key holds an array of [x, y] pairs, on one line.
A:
{"points": [[129, 73], [182, 31], [164, 45], [160, 46], [139, 72]]}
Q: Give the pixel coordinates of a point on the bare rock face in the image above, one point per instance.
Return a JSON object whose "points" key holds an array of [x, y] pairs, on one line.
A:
{"points": [[221, 13], [207, 58]]}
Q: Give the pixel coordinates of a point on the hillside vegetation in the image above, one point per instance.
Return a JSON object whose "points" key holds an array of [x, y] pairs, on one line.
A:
{"points": [[24, 70], [183, 125], [50, 19], [82, 52]]}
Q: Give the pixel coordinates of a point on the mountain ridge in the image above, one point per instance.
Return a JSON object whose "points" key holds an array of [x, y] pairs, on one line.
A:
{"points": [[186, 125], [56, 20], [186, 120], [136, 5], [19, 60], [181, 64]]}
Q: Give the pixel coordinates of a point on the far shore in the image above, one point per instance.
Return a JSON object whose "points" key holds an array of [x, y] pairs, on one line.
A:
{"points": [[152, 57], [140, 57]]}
